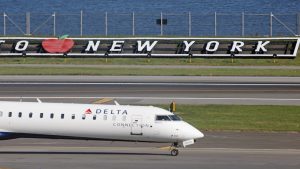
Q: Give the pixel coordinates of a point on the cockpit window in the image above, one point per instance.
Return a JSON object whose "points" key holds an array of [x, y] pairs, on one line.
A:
{"points": [[162, 118], [174, 118]]}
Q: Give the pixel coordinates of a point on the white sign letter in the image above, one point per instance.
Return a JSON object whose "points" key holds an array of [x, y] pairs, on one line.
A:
{"points": [[261, 46], [188, 45], [92, 45], [209, 44], [237, 46], [146, 44], [21, 45], [116, 46]]}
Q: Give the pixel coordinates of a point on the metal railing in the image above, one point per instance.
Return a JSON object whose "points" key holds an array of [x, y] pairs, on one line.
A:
{"points": [[150, 24]]}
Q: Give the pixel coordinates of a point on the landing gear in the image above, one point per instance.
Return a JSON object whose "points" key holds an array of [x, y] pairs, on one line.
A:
{"points": [[174, 150]]}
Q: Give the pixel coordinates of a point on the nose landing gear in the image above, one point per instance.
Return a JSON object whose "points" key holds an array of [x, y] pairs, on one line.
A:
{"points": [[174, 150]]}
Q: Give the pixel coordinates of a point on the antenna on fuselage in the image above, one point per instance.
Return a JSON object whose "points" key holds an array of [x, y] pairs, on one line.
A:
{"points": [[116, 103], [38, 100], [172, 107]]}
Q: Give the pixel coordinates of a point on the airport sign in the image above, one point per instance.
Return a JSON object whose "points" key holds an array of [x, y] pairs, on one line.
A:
{"points": [[283, 47]]}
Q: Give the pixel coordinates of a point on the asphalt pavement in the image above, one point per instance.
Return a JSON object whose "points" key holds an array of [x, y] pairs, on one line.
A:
{"points": [[154, 89], [224, 150]]}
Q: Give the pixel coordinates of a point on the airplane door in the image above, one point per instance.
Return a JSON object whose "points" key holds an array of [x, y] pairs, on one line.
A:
{"points": [[136, 125]]}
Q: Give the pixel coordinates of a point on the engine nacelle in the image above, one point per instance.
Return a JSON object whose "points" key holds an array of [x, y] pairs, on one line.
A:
{"points": [[7, 136]]}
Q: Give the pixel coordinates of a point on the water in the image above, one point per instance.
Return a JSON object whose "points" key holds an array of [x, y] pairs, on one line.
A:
{"points": [[146, 12], [195, 6]]}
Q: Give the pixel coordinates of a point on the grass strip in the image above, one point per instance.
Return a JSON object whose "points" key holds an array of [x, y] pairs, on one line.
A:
{"points": [[146, 71], [153, 61], [241, 117]]}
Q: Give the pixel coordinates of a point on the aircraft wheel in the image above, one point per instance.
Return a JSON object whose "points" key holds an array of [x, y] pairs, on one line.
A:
{"points": [[174, 152]]}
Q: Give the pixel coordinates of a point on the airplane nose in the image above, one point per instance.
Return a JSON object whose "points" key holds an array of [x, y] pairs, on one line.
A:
{"points": [[198, 134], [192, 132]]}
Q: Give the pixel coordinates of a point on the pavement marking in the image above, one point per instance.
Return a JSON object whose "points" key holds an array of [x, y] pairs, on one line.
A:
{"points": [[94, 149], [154, 98], [151, 83], [160, 90], [104, 100]]}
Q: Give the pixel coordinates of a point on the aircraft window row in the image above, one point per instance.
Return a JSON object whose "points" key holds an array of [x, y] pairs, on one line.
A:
{"points": [[167, 118], [62, 116]]}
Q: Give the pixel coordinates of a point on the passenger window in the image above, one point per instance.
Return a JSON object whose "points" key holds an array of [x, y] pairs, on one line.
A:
{"points": [[105, 117], [51, 115], [162, 118], [30, 115], [1, 113], [94, 117], [41, 115], [114, 117], [124, 118], [20, 114], [83, 117], [73, 116], [9, 114], [62, 116]]}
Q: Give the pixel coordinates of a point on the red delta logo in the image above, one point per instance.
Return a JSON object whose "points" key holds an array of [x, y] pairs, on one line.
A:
{"points": [[88, 111], [59, 45]]}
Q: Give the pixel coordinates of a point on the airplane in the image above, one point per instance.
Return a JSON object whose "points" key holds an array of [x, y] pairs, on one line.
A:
{"points": [[95, 122]]}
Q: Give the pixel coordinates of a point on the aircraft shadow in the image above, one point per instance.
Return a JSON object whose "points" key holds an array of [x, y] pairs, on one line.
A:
{"points": [[81, 153]]}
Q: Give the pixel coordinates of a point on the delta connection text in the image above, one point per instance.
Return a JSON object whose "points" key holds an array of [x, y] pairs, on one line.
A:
{"points": [[120, 112]]}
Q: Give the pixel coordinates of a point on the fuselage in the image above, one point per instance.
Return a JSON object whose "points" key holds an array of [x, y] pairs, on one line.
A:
{"points": [[91, 121]]}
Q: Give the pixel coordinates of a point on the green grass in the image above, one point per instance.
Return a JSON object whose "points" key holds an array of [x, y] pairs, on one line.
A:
{"points": [[241, 117], [146, 71], [154, 61]]}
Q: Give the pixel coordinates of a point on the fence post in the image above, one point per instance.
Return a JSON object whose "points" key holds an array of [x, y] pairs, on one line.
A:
{"points": [[81, 22], [4, 24], [27, 23], [271, 24], [190, 24], [215, 23], [133, 24], [243, 24], [106, 31], [54, 24], [298, 24], [161, 24]]}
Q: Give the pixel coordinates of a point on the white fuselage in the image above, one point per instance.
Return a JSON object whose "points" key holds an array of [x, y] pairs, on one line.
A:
{"points": [[88, 121]]}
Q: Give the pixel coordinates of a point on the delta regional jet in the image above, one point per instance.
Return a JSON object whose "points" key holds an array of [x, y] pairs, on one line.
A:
{"points": [[95, 122]]}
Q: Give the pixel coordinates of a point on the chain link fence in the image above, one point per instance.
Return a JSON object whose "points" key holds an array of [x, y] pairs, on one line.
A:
{"points": [[149, 24]]}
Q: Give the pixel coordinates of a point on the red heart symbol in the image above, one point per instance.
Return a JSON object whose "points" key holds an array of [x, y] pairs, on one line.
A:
{"points": [[58, 45]]}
